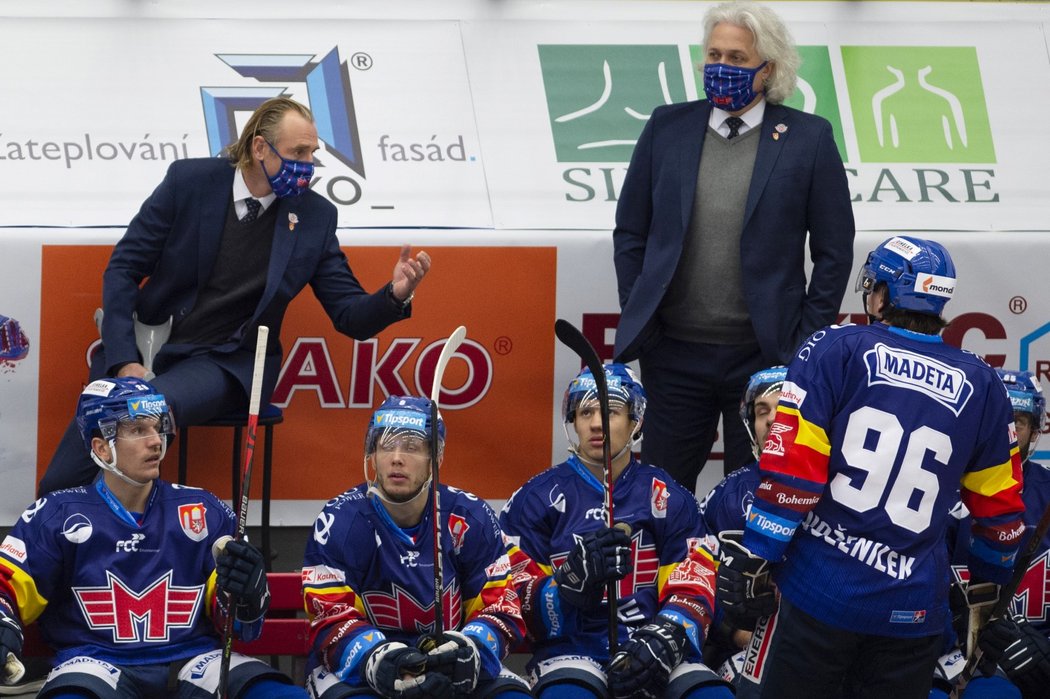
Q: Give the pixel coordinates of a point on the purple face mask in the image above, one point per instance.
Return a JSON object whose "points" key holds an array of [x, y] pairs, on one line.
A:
{"points": [[292, 179], [730, 87]]}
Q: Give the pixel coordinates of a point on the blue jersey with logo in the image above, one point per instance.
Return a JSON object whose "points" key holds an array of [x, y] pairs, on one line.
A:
{"points": [[670, 573], [367, 580], [727, 505], [102, 583], [877, 432]]}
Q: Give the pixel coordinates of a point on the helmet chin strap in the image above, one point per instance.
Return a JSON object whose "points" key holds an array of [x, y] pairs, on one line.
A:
{"points": [[112, 466]]}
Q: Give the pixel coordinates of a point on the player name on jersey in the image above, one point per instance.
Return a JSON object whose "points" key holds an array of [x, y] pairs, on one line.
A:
{"points": [[871, 553]]}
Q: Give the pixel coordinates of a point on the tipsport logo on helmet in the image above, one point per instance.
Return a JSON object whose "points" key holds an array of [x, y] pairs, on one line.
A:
{"points": [[401, 418], [329, 97], [150, 406], [914, 104]]}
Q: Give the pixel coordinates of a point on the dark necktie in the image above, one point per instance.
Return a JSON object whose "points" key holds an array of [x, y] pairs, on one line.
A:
{"points": [[254, 207], [734, 124]]}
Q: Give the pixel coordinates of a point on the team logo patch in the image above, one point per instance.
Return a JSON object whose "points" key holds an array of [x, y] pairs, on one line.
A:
{"points": [[192, 520], [457, 527], [658, 499], [77, 528], [775, 439]]}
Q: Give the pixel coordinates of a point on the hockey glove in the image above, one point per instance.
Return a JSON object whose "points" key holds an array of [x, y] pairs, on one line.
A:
{"points": [[597, 558], [10, 645], [397, 671], [1026, 661], [744, 588], [644, 664], [455, 656], [241, 573]]}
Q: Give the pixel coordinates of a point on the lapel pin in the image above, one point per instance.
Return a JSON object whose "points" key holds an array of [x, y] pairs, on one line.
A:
{"points": [[776, 136], [292, 220], [781, 128]]}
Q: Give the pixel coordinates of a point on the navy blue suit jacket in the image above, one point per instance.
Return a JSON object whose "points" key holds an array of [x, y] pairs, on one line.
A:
{"points": [[798, 185], [173, 243]]}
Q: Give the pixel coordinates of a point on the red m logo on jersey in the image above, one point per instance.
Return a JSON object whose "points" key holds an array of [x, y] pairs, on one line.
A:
{"points": [[135, 617], [402, 611]]}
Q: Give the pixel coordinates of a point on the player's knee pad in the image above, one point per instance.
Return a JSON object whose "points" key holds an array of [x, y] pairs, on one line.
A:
{"points": [[267, 688], [995, 687], [199, 678], [321, 684], [506, 685], [566, 671], [83, 676], [689, 678]]}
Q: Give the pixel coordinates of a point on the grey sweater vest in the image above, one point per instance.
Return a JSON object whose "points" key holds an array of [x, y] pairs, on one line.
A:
{"points": [[705, 301]]}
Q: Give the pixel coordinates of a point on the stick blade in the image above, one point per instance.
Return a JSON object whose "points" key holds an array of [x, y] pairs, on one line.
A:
{"points": [[570, 336], [451, 345]]}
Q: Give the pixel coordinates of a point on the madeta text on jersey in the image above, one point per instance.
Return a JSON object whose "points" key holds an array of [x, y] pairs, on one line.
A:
{"points": [[871, 553]]}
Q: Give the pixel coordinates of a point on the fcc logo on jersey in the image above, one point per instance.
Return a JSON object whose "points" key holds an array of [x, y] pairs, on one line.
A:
{"points": [[192, 521]]}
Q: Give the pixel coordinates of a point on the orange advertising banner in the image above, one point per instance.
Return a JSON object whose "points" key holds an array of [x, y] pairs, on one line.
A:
{"points": [[497, 388]]}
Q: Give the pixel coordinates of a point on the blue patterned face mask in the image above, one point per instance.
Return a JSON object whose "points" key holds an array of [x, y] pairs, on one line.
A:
{"points": [[292, 179], [730, 87]]}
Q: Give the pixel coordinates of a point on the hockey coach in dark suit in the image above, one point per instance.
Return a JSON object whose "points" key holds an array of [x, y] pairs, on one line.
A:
{"points": [[711, 237], [221, 247]]}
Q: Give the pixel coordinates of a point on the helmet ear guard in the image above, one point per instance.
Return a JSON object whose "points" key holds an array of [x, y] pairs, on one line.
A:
{"points": [[919, 274]]}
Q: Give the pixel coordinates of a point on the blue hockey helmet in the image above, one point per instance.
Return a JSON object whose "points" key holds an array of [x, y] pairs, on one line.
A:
{"points": [[402, 416], [624, 389], [762, 383], [1026, 396], [106, 402], [919, 274]]}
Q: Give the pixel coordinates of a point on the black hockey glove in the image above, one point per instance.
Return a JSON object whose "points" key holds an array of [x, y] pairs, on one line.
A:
{"points": [[397, 671], [1026, 661], [455, 656], [597, 558], [642, 667], [10, 645], [241, 573], [744, 588]]}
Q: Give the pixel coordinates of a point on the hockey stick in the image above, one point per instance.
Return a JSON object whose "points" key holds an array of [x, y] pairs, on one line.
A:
{"points": [[242, 509], [1006, 595], [451, 345], [572, 338]]}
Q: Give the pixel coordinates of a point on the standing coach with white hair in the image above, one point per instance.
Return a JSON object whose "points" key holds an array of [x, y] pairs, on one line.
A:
{"points": [[711, 235]]}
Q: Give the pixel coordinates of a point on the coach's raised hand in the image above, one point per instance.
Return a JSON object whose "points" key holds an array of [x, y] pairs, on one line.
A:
{"points": [[408, 272]]}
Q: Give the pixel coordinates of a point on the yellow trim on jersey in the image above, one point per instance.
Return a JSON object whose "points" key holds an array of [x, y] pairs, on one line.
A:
{"points": [[809, 434], [30, 602], [359, 604], [992, 480], [661, 579], [210, 591], [477, 602]]}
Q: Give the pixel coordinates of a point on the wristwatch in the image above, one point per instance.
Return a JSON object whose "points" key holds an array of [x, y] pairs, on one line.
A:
{"points": [[401, 305]]}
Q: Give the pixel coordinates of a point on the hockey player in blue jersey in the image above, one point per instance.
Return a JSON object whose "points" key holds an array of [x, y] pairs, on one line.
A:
{"points": [[564, 556], [369, 578], [725, 508], [120, 575], [1020, 642], [882, 426]]}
